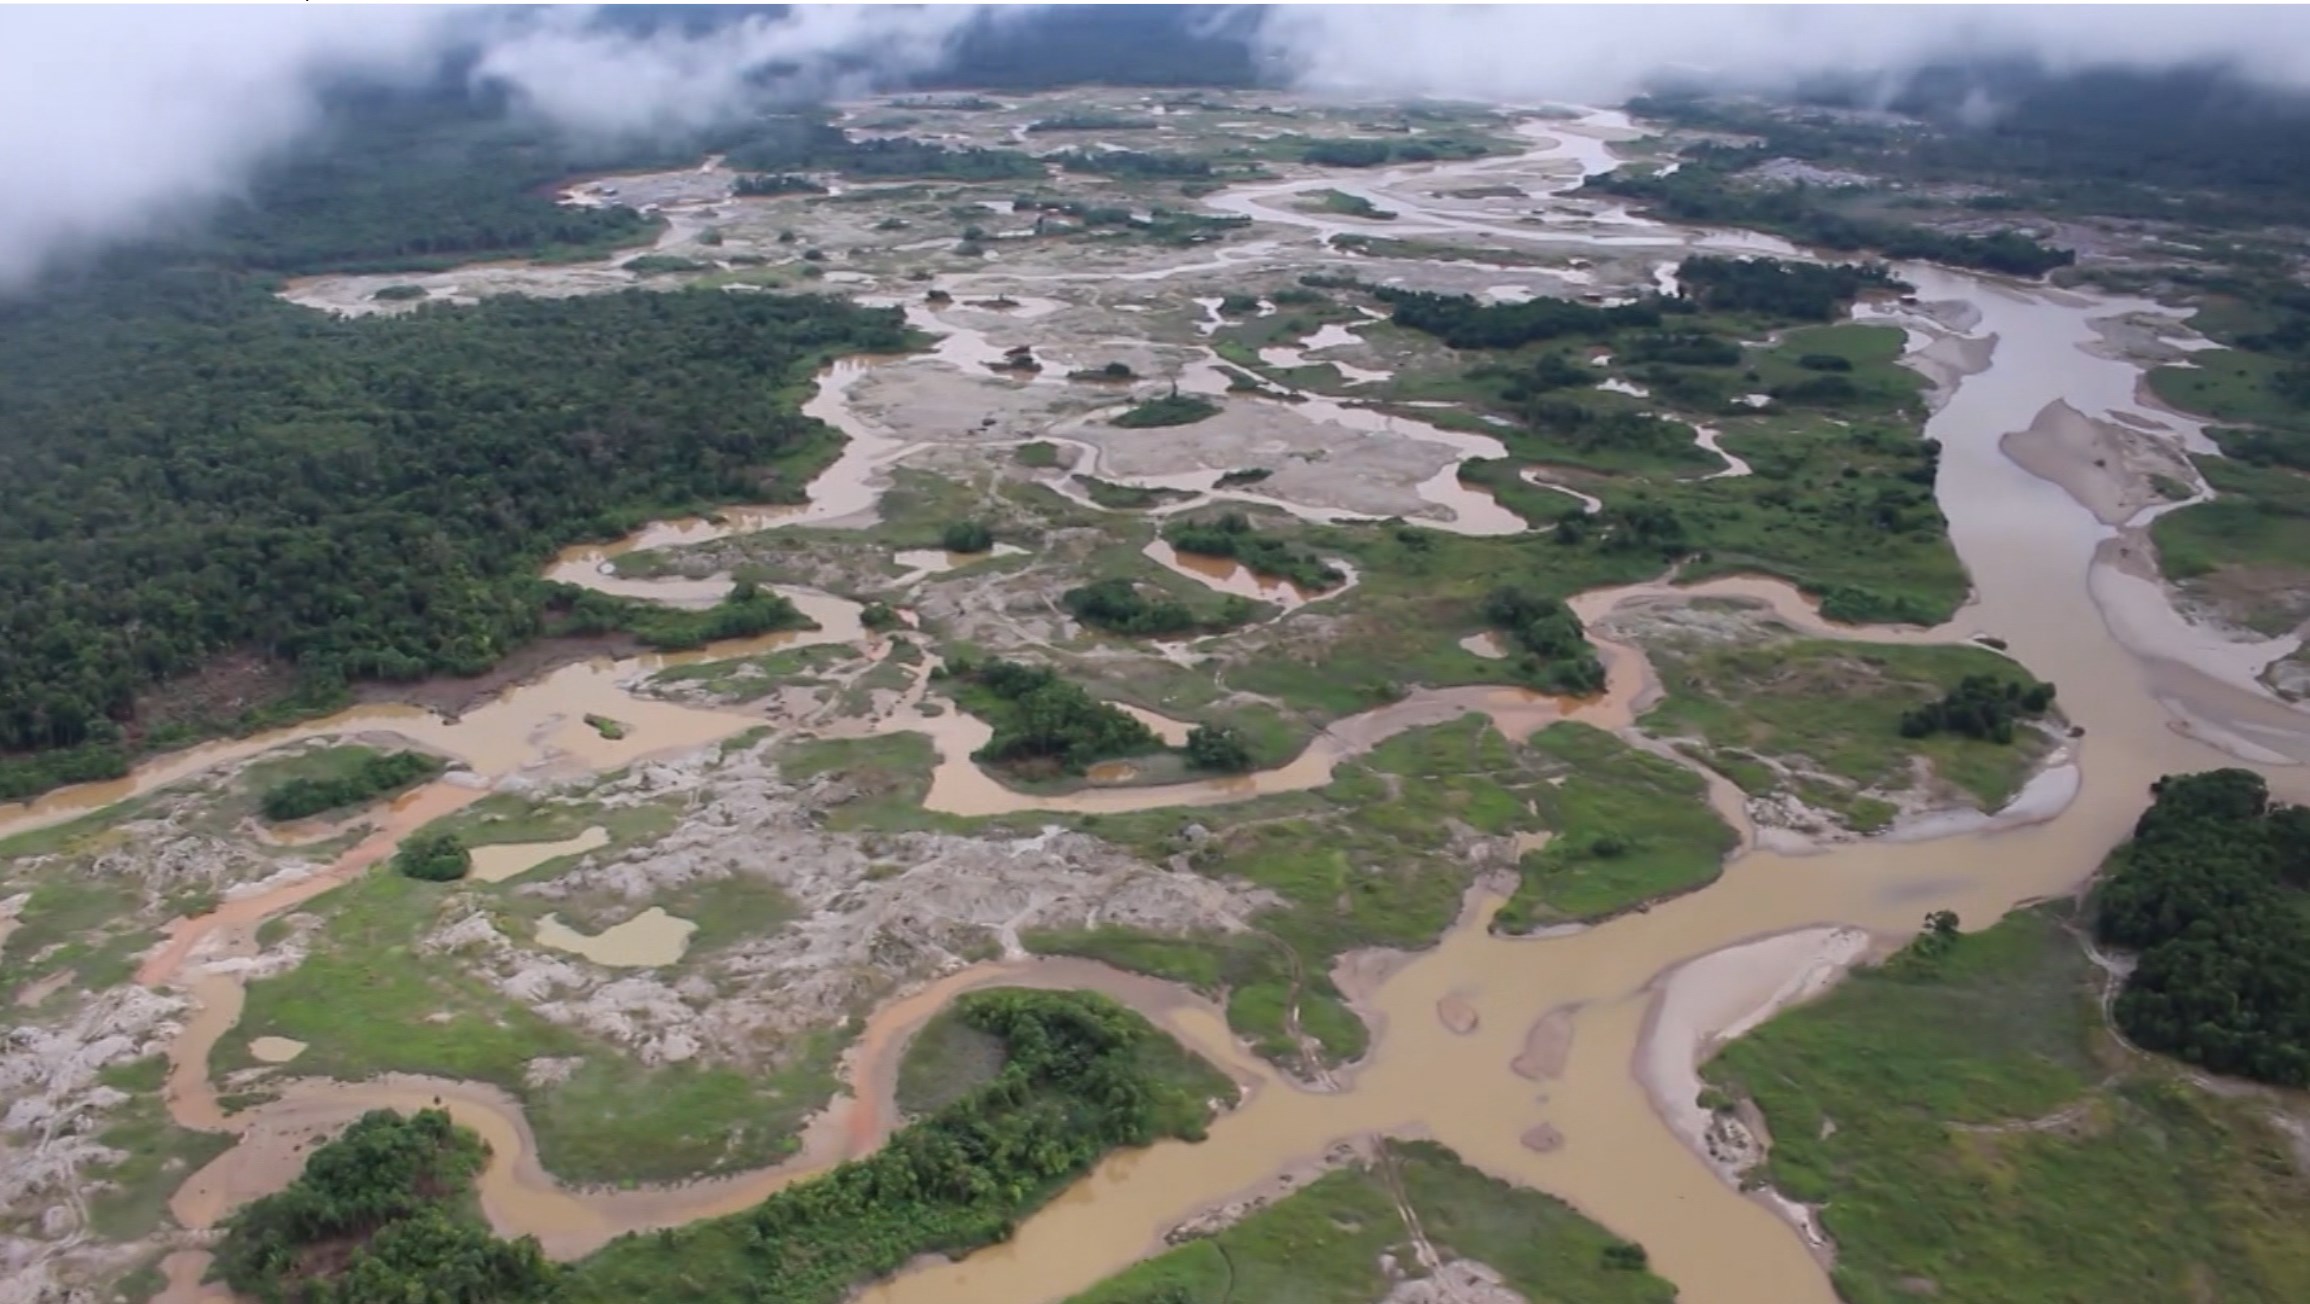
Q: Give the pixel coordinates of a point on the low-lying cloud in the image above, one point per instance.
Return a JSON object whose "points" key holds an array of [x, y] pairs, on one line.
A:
{"points": [[122, 120], [119, 118], [1603, 54], [613, 83]]}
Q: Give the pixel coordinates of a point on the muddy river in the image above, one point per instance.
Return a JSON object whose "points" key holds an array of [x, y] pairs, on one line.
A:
{"points": [[1585, 1038]]}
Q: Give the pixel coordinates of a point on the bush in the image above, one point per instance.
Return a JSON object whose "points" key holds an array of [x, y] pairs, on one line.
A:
{"points": [[967, 536], [1216, 747], [1170, 410], [433, 857]]}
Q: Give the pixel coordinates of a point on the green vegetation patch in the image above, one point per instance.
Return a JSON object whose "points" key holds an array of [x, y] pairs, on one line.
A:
{"points": [[1378, 858], [947, 1060], [1323, 1243], [1950, 1115], [367, 1001], [332, 778], [1081, 1076], [1232, 536], [1043, 725], [1119, 605], [1824, 719], [2214, 891], [384, 1211], [157, 1155], [2248, 550], [747, 679], [1347, 205], [390, 552], [1169, 410], [1630, 829]]}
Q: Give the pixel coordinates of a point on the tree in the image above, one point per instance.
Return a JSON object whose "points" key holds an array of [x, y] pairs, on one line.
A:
{"points": [[434, 857], [967, 536], [1217, 747]]}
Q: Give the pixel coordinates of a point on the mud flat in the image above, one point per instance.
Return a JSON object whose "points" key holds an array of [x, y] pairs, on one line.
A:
{"points": [[2109, 469]]}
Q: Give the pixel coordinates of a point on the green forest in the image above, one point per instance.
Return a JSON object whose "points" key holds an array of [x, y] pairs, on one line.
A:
{"points": [[2214, 892], [210, 474]]}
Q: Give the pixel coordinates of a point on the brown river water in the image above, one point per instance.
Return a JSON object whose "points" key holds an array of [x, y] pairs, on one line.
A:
{"points": [[1455, 1027]]}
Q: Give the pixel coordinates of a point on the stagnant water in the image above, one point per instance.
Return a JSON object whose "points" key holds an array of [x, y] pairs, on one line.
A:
{"points": [[2143, 705]]}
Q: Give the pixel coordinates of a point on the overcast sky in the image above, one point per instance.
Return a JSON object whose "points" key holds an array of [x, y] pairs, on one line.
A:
{"points": [[123, 117]]}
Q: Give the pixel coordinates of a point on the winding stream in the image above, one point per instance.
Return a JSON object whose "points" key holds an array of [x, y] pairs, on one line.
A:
{"points": [[2039, 562]]}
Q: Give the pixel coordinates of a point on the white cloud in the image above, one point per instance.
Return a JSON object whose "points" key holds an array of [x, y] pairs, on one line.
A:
{"points": [[1600, 53], [121, 119], [117, 118], [618, 84]]}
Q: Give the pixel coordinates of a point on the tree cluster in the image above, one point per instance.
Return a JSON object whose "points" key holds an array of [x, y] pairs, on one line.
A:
{"points": [[1044, 722], [1121, 606], [1460, 321], [1217, 747], [1081, 1076], [1776, 287], [777, 183], [967, 537], [2210, 892], [382, 1215], [1232, 536], [808, 143], [1169, 410], [1555, 655], [1984, 707], [1130, 163], [1700, 193], [379, 773]]}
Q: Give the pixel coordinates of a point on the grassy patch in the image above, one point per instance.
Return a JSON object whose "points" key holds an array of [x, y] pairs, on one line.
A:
{"points": [[2248, 549], [2228, 385], [514, 817], [158, 1155], [746, 679], [2143, 1188], [947, 1060], [1834, 709], [889, 776], [1376, 858], [366, 1001], [1630, 829], [1323, 1243]]}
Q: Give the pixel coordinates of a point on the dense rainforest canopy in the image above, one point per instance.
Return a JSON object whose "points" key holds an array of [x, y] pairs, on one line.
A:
{"points": [[2214, 891], [219, 473]]}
